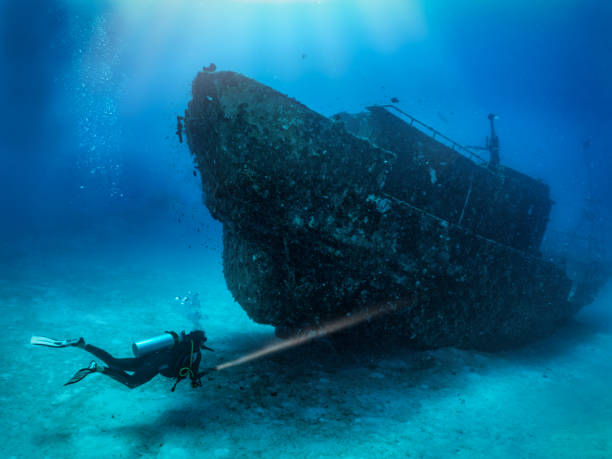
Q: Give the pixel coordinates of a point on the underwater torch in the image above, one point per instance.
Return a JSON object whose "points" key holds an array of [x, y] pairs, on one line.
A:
{"points": [[350, 320]]}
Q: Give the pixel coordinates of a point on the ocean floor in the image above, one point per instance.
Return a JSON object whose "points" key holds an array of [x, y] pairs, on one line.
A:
{"points": [[551, 399]]}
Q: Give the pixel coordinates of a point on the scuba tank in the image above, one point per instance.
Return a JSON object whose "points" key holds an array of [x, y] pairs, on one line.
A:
{"points": [[157, 343]]}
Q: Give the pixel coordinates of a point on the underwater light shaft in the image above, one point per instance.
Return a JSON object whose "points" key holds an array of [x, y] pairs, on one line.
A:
{"points": [[277, 1], [327, 329]]}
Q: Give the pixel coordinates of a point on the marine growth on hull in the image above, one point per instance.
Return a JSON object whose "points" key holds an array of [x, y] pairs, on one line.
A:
{"points": [[325, 218]]}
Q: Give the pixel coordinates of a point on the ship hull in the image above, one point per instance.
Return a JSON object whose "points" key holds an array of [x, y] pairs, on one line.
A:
{"points": [[311, 233]]}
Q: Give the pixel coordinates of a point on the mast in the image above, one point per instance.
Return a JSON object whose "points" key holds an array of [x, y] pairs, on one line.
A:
{"points": [[493, 143]]}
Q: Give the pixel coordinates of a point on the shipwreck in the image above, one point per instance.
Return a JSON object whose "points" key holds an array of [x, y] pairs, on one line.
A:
{"points": [[326, 217]]}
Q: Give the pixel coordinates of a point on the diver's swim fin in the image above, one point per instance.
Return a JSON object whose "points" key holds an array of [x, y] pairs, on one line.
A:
{"points": [[79, 375], [50, 342]]}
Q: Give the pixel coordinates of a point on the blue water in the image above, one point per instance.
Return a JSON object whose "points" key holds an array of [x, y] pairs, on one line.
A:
{"points": [[103, 225]]}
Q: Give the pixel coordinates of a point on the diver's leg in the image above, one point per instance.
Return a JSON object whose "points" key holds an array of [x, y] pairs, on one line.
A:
{"points": [[126, 364], [79, 375], [50, 342], [142, 375]]}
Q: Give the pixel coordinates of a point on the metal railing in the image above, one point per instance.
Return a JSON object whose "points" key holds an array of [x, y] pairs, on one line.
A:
{"points": [[438, 136]]}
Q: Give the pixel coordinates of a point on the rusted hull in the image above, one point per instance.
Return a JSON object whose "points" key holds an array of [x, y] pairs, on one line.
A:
{"points": [[311, 233]]}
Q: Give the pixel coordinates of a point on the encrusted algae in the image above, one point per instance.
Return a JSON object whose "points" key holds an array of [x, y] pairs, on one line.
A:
{"points": [[310, 234]]}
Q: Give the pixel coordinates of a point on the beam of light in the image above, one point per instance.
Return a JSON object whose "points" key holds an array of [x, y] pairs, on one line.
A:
{"points": [[277, 1], [301, 338], [257, 37], [391, 23]]}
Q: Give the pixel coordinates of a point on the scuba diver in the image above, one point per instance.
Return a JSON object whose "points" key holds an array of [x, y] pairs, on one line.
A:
{"points": [[179, 127], [172, 355]]}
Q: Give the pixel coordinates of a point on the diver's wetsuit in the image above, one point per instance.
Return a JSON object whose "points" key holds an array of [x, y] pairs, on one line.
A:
{"points": [[179, 362]]}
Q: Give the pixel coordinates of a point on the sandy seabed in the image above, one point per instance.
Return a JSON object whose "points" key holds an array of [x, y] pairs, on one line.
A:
{"points": [[551, 399]]}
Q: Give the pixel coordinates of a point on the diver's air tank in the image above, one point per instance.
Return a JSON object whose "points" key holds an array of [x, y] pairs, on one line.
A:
{"points": [[165, 341]]}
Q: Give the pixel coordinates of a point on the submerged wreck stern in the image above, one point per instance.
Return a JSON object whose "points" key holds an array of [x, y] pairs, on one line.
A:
{"points": [[311, 233]]}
